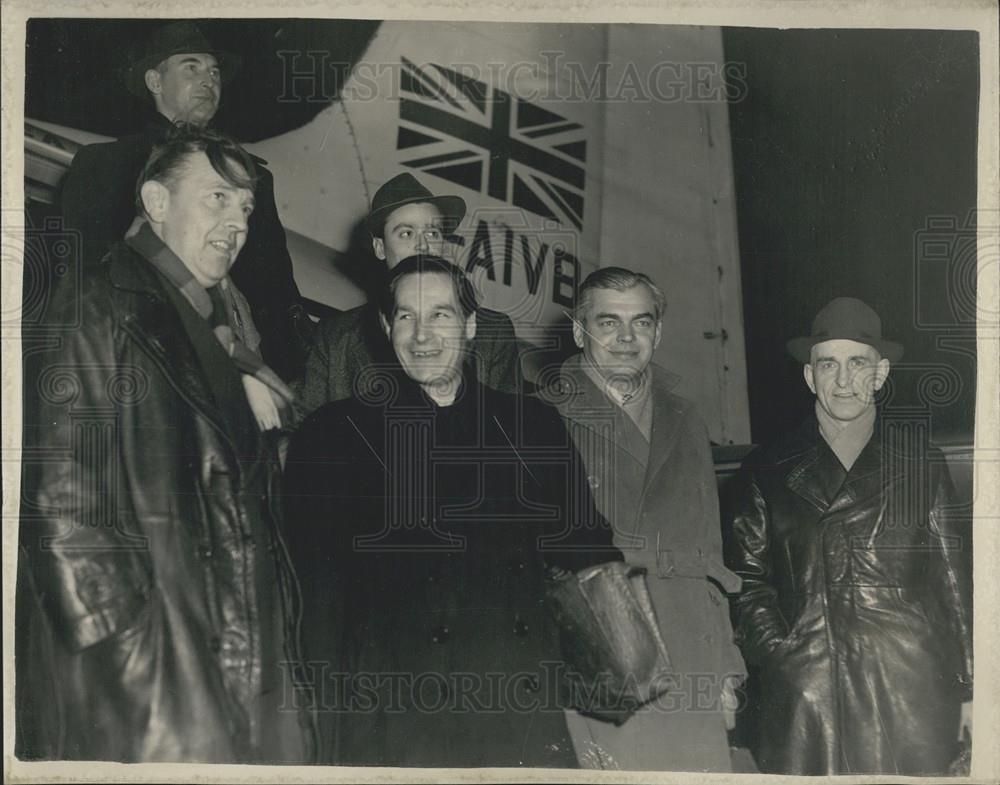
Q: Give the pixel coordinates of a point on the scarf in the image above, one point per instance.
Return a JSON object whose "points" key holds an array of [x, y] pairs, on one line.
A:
{"points": [[225, 308], [846, 439]]}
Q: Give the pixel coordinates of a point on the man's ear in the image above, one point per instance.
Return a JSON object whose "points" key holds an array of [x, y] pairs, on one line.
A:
{"points": [[152, 80], [385, 324], [378, 246], [155, 199], [578, 334], [881, 373], [658, 335], [470, 327], [807, 371]]}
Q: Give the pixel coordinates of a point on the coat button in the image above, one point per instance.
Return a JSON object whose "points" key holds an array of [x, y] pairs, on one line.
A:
{"points": [[440, 634], [204, 552], [520, 628]]}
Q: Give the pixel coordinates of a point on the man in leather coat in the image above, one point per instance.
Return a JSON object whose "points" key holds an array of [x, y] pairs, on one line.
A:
{"points": [[855, 606], [182, 76], [156, 602]]}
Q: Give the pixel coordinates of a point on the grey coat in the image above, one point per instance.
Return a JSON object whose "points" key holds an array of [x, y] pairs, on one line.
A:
{"points": [[665, 518]]}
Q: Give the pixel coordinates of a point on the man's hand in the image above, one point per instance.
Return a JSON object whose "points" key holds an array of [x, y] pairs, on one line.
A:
{"points": [[554, 573], [730, 703], [965, 721]]}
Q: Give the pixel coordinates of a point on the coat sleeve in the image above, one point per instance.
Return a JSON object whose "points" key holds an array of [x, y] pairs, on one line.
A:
{"points": [[715, 568], [89, 561], [264, 273], [581, 536], [312, 390], [91, 201], [760, 626], [950, 571], [331, 362], [499, 352]]}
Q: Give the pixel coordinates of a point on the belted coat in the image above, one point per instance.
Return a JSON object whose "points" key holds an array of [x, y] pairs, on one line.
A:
{"points": [[855, 604], [665, 518]]}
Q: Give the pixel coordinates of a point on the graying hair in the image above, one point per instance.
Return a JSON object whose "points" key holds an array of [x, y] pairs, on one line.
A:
{"points": [[621, 280]]}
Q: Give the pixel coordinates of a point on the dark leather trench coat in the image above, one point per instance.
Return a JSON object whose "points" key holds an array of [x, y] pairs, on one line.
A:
{"points": [[855, 604], [141, 635]]}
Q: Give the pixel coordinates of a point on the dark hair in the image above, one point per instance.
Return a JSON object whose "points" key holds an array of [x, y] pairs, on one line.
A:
{"points": [[465, 291], [167, 160], [621, 280]]}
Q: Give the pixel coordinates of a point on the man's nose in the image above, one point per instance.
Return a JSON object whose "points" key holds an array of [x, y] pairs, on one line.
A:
{"points": [[626, 334], [422, 243], [420, 333], [843, 376], [236, 220]]}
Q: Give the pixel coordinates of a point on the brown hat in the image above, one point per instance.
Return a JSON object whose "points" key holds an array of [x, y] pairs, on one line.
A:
{"points": [[846, 318], [176, 38], [405, 189]]}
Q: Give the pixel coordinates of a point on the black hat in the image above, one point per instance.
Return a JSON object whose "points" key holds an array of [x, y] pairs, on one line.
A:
{"points": [[846, 318], [406, 189], [176, 38]]}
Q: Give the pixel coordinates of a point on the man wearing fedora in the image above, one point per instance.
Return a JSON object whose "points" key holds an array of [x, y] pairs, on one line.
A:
{"points": [[181, 74], [349, 350], [856, 576]]}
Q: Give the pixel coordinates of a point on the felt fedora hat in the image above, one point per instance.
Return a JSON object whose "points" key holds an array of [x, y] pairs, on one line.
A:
{"points": [[176, 38], [405, 189], [846, 318]]}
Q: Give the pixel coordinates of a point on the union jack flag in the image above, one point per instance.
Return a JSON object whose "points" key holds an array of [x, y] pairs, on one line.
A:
{"points": [[483, 138]]}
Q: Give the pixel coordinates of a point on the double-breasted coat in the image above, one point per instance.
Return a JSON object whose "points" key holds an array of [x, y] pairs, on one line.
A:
{"points": [[855, 603], [665, 518], [156, 598]]}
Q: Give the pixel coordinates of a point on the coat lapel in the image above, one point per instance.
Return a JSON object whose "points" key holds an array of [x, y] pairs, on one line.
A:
{"points": [[805, 473], [577, 399], [864, 478], [667, 419], [154, 324], [817, 475]]}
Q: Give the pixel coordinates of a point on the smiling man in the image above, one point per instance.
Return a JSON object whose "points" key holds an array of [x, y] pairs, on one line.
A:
{"points": [[856, 574], [423, 513], [161, 594], [181, 75], [650, 467], [349, 348]]}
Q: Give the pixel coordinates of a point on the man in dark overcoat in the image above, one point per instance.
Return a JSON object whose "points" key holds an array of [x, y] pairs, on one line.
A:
{"points": [[855, 605], [159, 602], [181, 75], [422, 517], [649, 464], [348, 347]]}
